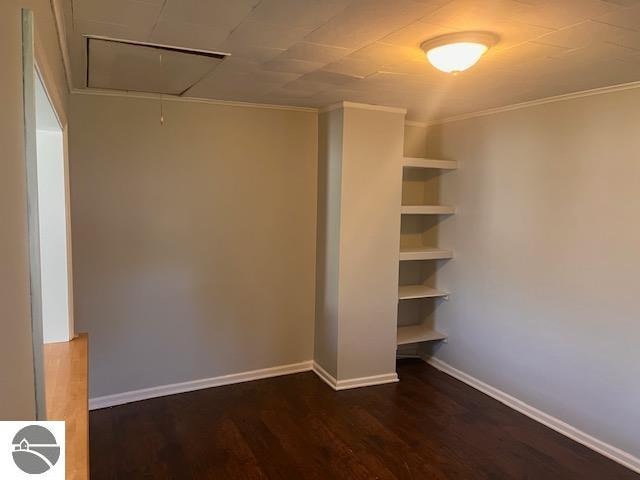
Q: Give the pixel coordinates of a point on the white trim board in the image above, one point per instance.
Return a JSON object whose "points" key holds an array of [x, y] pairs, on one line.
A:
{"points": [[609, 451], [190, 386], [58, 16], [173, 98], [530, 103], [171, 389], [353, 382], [362, 106], [416, 123]]}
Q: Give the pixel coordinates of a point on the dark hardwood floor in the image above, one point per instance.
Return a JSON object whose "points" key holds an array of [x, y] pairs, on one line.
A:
{"points": [[428, 426]]}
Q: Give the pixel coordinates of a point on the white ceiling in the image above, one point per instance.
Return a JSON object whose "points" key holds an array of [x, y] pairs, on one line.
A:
{"points": [[317, 52]]}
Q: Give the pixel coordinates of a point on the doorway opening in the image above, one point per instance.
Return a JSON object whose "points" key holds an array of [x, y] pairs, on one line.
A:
{"points": [[53, 220], [49, 233]]}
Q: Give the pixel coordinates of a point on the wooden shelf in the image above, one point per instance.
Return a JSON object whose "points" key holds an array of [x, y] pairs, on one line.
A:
{"points": [[413, 162], [427, 210], [407, 292], [424, 253], [418, 333]]}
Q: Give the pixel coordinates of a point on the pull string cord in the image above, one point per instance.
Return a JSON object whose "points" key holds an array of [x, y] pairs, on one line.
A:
{"points": [[161, 104]]}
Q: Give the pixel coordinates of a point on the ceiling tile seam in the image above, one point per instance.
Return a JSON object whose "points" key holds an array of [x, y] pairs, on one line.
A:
{"points": [[621, 45], [73, 16], [622, 27], [243, 20], [206, 25], [533, 40], [418, 20], [155, 24], [540, 39], [358, 49], [324, 24], [206, 75], [507, 19]]}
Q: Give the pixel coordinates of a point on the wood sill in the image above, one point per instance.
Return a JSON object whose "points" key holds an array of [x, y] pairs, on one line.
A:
{"points": [[65, 370]]}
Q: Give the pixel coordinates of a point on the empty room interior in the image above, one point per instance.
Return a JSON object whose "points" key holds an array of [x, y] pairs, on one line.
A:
{"points": [[321, 239]]}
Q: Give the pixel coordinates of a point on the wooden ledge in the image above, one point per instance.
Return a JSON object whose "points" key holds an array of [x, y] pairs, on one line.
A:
{"points": [[65, 370]]}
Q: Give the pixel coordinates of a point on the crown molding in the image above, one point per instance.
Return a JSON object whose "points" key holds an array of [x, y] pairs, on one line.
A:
{"points": [[173, 98], [362, 106], [531, 103], [58, 17], [415, 123]]}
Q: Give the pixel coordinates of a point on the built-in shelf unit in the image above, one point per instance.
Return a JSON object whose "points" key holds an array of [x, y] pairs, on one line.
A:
{"points": [[417, 290]]}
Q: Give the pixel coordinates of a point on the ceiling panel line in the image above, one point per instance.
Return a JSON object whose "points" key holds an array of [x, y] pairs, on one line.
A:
{"points": [[155, 24]]}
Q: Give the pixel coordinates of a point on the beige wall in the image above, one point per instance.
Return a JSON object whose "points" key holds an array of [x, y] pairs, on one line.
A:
{"points": [[358, 241], [17, 398], [330, 127], [544, 285], [193, 242], [369, 242]]}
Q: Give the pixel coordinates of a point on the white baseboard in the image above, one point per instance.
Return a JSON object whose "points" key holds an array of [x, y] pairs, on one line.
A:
{"points": [[614, 453], [146, 393], [353, 382], [325, 376], [171, 389]]}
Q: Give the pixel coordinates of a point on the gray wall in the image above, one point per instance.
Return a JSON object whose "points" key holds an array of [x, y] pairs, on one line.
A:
{"points": [[330, 127], [369, 242], [545, 281], [358, 242], [193, 242], [17, 396]]}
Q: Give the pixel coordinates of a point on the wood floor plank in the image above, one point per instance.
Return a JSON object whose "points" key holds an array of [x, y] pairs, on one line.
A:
{"points": [[65, 372], [427, 426]]}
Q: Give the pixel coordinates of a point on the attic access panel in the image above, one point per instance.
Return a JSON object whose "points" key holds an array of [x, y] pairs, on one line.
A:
{"points": [[130, 66]]}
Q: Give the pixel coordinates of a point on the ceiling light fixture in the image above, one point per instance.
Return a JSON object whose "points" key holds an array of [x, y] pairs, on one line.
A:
{"points": [[456, 52]]}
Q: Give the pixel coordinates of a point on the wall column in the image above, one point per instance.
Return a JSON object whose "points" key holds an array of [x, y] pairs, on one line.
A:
{"points": [[360, 150]]}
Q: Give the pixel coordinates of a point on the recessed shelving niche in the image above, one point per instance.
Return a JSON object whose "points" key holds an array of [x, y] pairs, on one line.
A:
{"points": [[421, 214]]}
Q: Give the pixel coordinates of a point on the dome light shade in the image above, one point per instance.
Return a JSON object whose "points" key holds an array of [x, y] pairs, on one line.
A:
{"points": [[457, 52], [456, 57]]}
